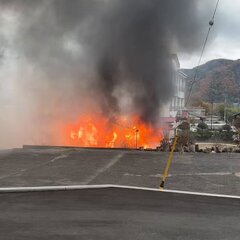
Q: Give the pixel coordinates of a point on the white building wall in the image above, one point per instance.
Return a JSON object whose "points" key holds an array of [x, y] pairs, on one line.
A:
{"points": [[179, 82]]}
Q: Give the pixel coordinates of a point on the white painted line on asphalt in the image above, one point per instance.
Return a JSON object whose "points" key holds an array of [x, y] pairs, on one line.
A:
{"points": [[59, 157], [79, 187], [202, 194], [186, 174], [21, 171], [51, 188], [177, 191], [103, 169]]}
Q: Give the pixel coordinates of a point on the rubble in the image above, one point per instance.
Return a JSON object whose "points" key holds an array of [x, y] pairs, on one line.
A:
{"points": [[204, 147]]}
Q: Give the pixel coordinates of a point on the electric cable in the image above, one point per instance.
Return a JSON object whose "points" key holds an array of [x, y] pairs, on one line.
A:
{"points": [[169, 160], [211, 24]]}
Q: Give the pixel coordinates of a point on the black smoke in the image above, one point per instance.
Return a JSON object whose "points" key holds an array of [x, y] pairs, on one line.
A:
{"points": [[106, 50]]}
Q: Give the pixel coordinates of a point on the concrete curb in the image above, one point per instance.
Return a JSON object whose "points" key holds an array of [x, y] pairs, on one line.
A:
{"points": [[80, 187]]}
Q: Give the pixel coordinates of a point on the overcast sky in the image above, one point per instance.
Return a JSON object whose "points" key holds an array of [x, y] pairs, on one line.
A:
{"points": [[225, 36], [224, 40]]}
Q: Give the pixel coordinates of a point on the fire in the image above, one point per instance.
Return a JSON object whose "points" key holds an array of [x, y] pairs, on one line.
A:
{"points": [[123, 132]]}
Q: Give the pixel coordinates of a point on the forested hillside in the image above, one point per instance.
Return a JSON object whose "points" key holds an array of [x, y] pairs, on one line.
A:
{"points": [[216, 80]]}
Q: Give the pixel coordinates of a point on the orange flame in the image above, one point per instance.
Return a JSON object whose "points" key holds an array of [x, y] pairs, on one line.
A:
{"points": [[123, 132]]}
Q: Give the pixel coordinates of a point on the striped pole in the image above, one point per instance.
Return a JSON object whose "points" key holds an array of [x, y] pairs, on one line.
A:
{"points": [[169, 160]]}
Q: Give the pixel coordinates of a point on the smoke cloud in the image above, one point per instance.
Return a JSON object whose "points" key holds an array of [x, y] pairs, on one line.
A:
{"points": [[62, 58]]}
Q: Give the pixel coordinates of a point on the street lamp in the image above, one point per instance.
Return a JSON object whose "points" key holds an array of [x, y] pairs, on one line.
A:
{"points": [[136, 138]]}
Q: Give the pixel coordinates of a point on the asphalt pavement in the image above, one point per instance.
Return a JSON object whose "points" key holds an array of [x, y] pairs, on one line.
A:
{"points": [[115, 213], [198, 172]]}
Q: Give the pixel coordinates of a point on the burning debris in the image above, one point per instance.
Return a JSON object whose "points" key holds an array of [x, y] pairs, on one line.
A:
{"points": [[98, 131], [78, 57]]}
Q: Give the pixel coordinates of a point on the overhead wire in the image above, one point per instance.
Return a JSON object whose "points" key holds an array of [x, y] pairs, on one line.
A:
{"points": [[211, 24], [169, 160]]}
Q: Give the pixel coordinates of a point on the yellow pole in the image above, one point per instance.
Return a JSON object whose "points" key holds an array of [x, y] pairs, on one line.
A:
{"points": [[169, 160]]}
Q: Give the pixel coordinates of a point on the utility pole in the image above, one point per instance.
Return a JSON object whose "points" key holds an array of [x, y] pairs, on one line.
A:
{"points": [[238, 103], [225, 112], [212, 117], [212, 95]]}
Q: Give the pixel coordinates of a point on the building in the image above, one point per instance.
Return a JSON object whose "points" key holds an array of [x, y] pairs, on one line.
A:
{"points": [[177, 103], [179, 83]]}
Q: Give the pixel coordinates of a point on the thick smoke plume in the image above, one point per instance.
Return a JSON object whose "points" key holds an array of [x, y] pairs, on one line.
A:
{"points": [[112, 55]]}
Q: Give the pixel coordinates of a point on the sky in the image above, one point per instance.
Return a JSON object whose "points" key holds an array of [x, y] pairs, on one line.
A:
{"points": [[224, 40]]}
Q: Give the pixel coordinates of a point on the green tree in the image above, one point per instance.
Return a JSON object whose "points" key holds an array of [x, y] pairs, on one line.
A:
{"points": [[202, 126], [202, 132], [220, 110], [229, 111]]}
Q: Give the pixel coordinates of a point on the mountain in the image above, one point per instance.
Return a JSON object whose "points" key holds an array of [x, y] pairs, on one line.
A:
{"points": [[216, 80]]}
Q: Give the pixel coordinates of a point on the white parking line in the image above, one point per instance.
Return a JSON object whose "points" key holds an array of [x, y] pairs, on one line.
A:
{"points": [[103, 169], [19, 172]]}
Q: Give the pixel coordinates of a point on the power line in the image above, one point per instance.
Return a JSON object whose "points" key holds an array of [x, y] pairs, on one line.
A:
{"points": [[165, 175], [211, 23]]}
